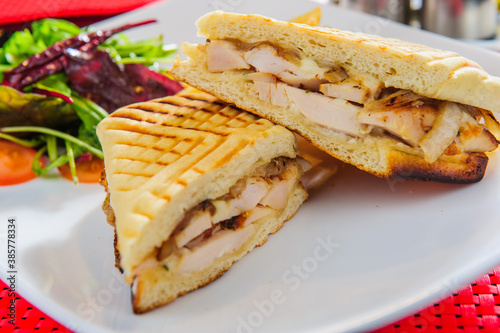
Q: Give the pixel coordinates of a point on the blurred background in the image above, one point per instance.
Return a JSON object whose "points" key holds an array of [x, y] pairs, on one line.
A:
{"points": [[463, 19]]}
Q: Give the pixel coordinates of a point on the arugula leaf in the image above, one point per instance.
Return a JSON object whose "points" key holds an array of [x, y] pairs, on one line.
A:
{"points": [[52, 147], [145, 52], [56, 82], [20, 46], [51, 31], [61, 135], [89, 112], [71, 161]]}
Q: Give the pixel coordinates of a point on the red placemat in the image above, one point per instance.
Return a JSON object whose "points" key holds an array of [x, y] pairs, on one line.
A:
{"points": [[476, 308], [18, 14], [15, 11]]}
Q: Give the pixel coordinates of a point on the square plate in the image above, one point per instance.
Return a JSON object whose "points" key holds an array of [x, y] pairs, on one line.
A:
{"points": [[360, 253]]}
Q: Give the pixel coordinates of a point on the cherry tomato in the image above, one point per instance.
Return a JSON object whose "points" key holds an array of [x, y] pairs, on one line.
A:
{"points": [[15, 163], [87, 171]]}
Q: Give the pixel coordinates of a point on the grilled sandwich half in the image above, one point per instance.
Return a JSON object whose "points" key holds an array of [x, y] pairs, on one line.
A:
{"points": [[392, 108], [193, 185]]}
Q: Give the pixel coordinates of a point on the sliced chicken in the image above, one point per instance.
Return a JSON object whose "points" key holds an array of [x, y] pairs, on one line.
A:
{"points": [[472, 137], [248, 199], [200, 222], [223, 56], [483, 142], [407, 122], [272, 92], [222, 242], [306, 74], [350, 90], [256, 213], [337, 114], [277, 197], [258, 76]]}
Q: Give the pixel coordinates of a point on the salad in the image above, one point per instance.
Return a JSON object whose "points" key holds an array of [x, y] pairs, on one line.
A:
{"points": [[58, 82]]}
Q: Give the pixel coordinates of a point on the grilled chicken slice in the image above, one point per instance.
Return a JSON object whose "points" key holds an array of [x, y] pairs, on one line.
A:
{"points": [[202, 255], [248, 199], [351, 90], [223, 56], [303, 73], [474, 138], [408, 123], [337, 114], [200, 222]]}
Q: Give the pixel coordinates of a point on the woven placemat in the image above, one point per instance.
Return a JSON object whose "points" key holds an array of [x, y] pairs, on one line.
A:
{"points": [[27, 317], [15, 11], [476, 308]]}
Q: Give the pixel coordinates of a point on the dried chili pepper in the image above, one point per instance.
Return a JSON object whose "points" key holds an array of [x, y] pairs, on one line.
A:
{"points": [[52, 60]]}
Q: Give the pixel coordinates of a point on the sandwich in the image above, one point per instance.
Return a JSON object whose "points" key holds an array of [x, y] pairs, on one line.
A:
{"points": [[389, 107], [193, 185]]}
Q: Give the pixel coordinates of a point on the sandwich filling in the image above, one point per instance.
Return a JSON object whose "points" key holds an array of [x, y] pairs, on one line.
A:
{"points": [[328, 96], [219, 226]]}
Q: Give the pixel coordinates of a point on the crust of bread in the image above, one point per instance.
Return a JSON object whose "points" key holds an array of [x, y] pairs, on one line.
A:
{"points": [[165, 156], [427, 71], [383, 156], [156, 286], [453, 169]]}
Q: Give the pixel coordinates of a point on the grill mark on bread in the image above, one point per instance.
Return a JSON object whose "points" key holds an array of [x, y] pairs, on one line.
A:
{"points": [[193, 143], [185, 106], [186, 152], [182, 182], [242, 144], [227, 112], [142, 107], [195, 169], [145, 146], [134, 159], [134, 129], [204, 100], [191, 166], [182, 103]]}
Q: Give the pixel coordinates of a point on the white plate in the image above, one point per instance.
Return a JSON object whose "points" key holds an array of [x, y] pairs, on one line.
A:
{"points": [[396, 246]]}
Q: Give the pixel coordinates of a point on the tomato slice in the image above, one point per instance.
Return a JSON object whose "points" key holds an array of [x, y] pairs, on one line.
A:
{"points": [[15, 163], [87, 171]]}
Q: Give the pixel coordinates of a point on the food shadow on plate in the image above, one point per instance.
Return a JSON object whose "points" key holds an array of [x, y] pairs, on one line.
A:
{"points": [[77, 273]]}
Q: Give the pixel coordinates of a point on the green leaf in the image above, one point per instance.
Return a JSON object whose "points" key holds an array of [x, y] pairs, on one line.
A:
{"points": [[26, 143], [50, 31], [89, 138], [39, 170], [3, 61], [144, 52], [89, 112], [52, 148], [20, 46], [17, 108], [36, 166], [61, 135], [55, 82], [71, 162]]}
